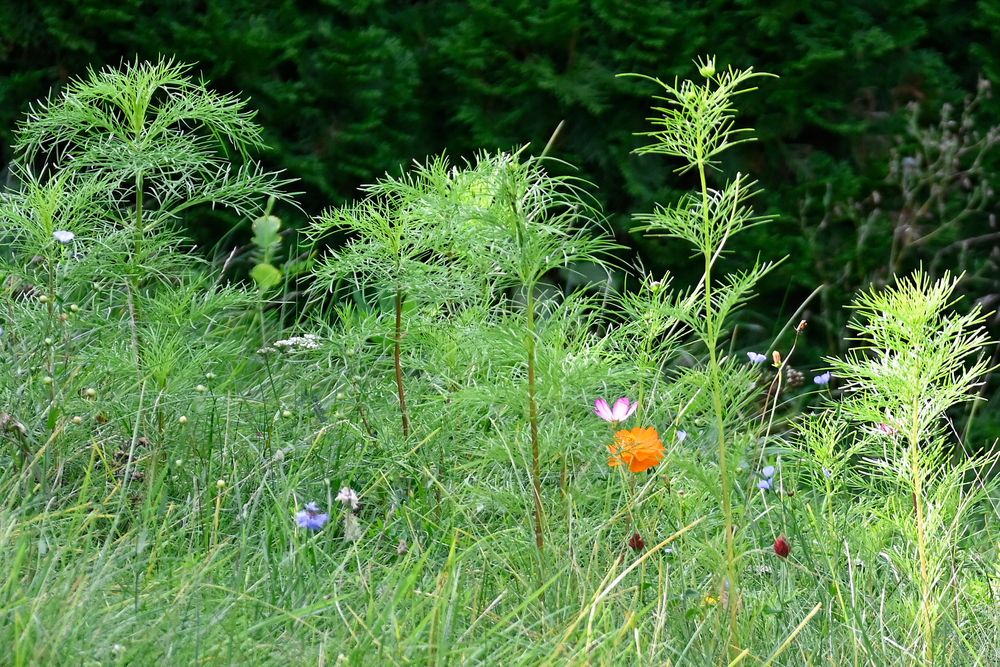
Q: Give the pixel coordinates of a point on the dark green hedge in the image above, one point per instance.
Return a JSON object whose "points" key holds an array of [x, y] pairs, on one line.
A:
{"points": [[348, 90]]}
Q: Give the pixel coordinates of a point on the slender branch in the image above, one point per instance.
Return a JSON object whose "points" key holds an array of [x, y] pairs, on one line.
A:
{"points": [[536, 466], [397, 352], [926, 622], [720, 427], [133, 282]]}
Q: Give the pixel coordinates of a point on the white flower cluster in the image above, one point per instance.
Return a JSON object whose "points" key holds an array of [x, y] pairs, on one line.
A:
{"points": [[305, 342], [349, 498]]}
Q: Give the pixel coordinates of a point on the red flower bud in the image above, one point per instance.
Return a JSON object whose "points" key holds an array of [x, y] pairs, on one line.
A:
{"points": [[636, 542], [782, 547]]}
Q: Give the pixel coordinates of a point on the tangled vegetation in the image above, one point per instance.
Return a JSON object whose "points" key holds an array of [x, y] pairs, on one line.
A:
{"points": [[399, 439]]}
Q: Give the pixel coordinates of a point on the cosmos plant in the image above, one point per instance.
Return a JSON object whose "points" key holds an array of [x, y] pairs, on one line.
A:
{"points": [[694, 123]]}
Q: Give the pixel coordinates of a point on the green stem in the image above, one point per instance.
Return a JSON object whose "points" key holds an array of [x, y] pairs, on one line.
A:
{"points": [[137, 233], [926, 622], [50, 359], [647, 353], [260, 318], [536, 466], [134, 279], [714, 376], [397, 360]]}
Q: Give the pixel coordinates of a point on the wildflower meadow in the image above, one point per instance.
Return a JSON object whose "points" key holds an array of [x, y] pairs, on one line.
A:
{"points": [[450, 422]]}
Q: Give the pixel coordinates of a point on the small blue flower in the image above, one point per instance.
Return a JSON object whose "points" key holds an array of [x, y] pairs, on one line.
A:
{"points": [[681, 435], [767, 478], [311, 517], [822, 379], [756, 358]]}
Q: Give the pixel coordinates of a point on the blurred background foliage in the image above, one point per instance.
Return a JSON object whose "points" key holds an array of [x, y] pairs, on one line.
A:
{"points": [[876, 146]]}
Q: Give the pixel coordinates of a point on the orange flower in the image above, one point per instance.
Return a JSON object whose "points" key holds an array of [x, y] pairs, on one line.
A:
{"points": [[638, 448]]}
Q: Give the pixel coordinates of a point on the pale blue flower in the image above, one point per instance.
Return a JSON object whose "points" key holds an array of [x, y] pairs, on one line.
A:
{"points": [[756, 358], [822, 379], [63, 237], [311, 517], [767, 481], [681, 435]]}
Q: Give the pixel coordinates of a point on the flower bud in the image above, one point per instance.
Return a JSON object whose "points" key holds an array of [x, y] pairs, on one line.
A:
{"points": [[201, 389], [77, 420], [74, 308], [90, 392], [182, 420], [220, 484], [782, 547]]}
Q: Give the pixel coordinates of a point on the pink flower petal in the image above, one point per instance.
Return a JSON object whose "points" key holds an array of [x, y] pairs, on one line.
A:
{"points": [[623, 408], [602, 410]]}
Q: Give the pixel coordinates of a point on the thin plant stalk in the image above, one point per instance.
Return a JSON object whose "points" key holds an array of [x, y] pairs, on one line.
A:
{"points": [[260, 317], [717, 408], [50, 355], [398, 363], [536, 466], [133, 282], [926, 622], [218, 512]]}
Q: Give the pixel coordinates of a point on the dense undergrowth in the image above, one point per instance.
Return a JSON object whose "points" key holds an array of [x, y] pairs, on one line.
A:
{"points": [[389, 452]]}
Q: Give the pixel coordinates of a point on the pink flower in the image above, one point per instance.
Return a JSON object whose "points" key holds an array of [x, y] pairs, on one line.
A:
{"points": [[885, 429], [621, 411]]}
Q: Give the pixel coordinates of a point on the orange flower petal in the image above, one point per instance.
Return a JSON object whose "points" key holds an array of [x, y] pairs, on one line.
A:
{"points": [[639, 448]]}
